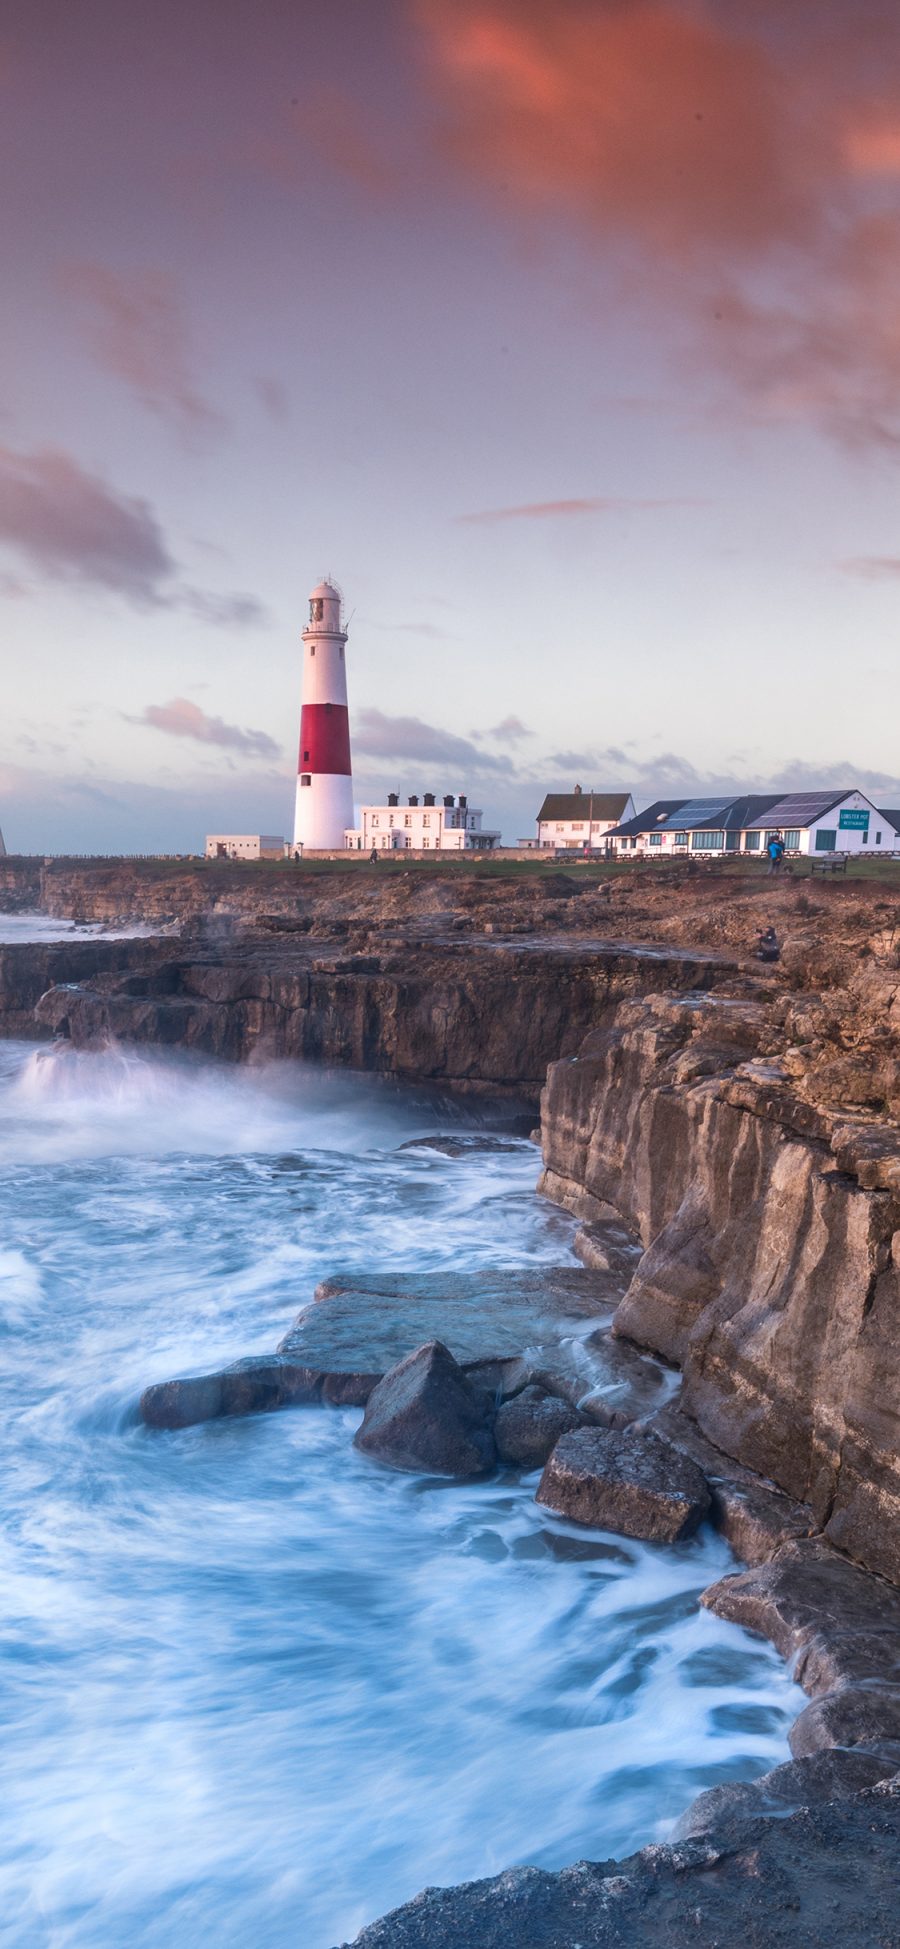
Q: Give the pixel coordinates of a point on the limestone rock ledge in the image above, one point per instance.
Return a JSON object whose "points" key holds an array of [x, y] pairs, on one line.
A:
{"points": [[771, 1226], [824, 1874]]}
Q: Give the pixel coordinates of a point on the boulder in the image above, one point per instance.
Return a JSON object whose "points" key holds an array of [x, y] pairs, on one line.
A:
{"points": [[838, 1622], [252, 1386], [799, 1783], [528, 1427], [853, 1715], [752, 1515], [426, 1416], [628, 1481]]}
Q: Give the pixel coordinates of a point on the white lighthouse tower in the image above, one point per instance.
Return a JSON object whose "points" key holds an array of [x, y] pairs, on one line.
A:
{"points": [[324, 782]]}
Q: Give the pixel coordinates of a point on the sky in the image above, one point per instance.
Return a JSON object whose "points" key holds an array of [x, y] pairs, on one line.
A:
{"points": [[563, 334]]}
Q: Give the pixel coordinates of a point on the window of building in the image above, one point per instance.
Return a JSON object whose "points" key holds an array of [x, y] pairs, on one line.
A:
{"points": [[305, 778], [426, 818], [707, 842], [792, 839], [732, 841], [306, 757], [878, 839], [826, 842], [577, 825], [374, 818], [390, 818], [752, 841], [312, 649], [681, 838], [407, 819], [426, 842], [656, 838]]}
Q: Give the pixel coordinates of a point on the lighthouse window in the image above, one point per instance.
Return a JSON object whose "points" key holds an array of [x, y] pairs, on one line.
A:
{"points": [[306, 757], [312, 649], [305, 778]]}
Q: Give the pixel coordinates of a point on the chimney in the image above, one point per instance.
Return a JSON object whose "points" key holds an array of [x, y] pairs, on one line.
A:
{"points": [[448, 798], [428, 798], [463, 800], [413, 799], [393, 798]]}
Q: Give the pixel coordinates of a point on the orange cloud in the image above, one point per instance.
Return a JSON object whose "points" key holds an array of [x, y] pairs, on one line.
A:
{"points": [[740, 158], [872, 148], [587, 504], [651, 116]]}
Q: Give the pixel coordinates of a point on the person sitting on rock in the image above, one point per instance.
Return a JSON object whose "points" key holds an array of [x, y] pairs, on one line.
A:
{"points": [[767, 948]]}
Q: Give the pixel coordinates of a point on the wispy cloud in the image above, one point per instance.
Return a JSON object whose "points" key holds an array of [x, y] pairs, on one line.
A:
{"points": [[235, 611], [589, 504], [67, 523], [415, 742], [510, 731], [136, 325], [273, 394], [72, 526], [180, 718], [873, 568]]}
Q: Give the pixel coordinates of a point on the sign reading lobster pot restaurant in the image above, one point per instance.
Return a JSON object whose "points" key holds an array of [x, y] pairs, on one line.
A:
{"points": [[849, 821]]}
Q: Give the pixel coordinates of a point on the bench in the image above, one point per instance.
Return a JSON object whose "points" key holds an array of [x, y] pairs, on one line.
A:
{"points": [[831, 863]]}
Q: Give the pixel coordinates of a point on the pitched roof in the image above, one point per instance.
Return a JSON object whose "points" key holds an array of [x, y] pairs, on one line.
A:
{"points": [[892, 815], [748, 810], [584, 805], [801, 808], [653, 815], [698, 813]]}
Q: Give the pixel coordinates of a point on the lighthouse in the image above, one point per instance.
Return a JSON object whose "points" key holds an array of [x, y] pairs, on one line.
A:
{"points": [[324, 783]]}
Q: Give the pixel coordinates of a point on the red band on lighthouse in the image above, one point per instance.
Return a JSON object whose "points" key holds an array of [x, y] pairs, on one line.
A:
{"points": [[325, 738]]}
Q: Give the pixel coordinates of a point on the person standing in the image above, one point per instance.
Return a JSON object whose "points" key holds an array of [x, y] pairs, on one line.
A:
{"points": [[775, 850]]}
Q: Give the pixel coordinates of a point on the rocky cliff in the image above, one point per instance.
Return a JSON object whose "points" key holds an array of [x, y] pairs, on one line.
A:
{"points": [[771, 1269], [474, 1014]]}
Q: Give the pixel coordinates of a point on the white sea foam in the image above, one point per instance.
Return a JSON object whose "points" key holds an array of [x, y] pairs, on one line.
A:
{"points": [[257, 1690], [48, 928]]}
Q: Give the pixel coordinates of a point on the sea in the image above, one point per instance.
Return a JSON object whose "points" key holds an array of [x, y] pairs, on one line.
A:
{"points": [[257, 1689]]}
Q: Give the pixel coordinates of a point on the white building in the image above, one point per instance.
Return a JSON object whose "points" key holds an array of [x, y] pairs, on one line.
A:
{"points": [[579, 819], [244, 845], [809, 823], [432, 825]]}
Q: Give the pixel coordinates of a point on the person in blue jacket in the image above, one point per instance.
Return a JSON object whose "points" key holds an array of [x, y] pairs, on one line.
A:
{"points": [[775, 850]]}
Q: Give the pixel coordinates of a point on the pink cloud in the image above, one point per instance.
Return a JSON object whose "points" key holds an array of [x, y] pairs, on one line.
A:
{"points": [[590, 504], [73, 527], [135, 324], [737, 161], [180, 718], [411, 739], [69, 524]]}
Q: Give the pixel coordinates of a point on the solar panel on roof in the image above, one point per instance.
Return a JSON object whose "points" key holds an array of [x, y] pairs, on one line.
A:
{"points": [[697, 812], [799, 808]]}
